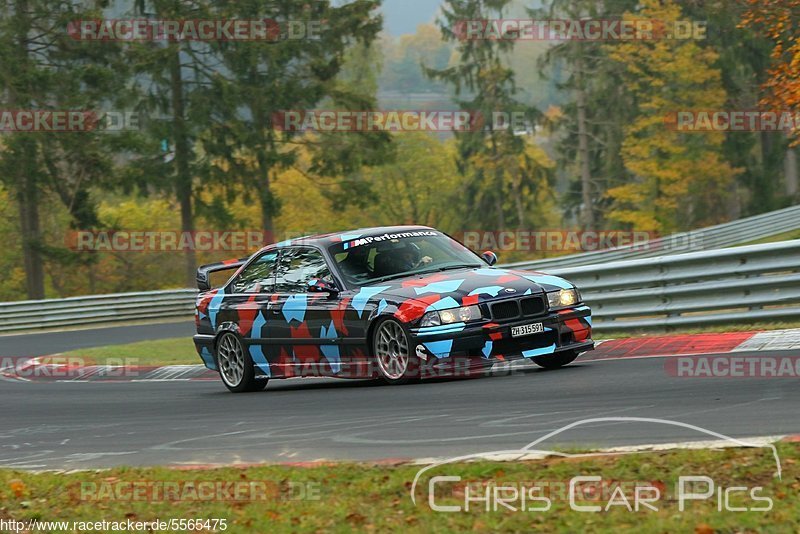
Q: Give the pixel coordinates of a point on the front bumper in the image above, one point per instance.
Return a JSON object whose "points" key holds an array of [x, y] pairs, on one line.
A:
{"points": [[569, 329]]}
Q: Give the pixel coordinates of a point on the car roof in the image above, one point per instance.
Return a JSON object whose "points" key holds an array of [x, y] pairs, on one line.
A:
{"points": [[324, 240]]}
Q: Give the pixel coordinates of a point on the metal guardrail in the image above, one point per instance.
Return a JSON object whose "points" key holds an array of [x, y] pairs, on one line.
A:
{"points": [[725, 235], [743, 284], [76, 311]]}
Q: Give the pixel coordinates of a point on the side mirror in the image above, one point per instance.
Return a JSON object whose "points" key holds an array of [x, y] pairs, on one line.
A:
{"points": [[489, 257], [316, 285]]}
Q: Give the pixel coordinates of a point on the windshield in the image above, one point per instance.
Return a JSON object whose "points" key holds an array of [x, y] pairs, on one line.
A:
{"points": [[373, 258]]}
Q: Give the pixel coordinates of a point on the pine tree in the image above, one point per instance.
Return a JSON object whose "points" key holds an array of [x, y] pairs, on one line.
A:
{"points": [[44, 68], [680, 180], [258, 79], [597, 109], [489, 159], [170, 74]]}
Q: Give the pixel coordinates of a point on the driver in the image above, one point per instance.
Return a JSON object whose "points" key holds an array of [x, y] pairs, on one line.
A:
{"points": [[410, 257]]}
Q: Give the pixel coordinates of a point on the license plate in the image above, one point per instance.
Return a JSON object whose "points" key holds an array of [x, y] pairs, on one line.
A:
{"points": [[527, 329]]}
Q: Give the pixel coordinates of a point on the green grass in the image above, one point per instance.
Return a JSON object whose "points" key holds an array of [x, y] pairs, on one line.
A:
{"points": [[376, 498], [786, 236], [159, 352]]}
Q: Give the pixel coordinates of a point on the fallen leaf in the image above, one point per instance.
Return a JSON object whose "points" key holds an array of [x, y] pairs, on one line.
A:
{"points": [[356, 518], [18, 487]]}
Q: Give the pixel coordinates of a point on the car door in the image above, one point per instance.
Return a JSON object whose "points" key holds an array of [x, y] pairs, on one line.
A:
{"points": [[246, 305], [307, 320]]}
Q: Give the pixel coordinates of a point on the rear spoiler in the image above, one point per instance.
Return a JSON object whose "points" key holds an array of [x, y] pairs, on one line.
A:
{"points": [[204, 271]]}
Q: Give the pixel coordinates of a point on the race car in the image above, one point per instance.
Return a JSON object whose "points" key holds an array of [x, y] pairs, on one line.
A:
{"points": [[397, 303]]}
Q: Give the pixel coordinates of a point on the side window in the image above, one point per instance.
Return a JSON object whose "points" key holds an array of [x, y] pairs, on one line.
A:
{"points": [[258, 277], [297, 266]]}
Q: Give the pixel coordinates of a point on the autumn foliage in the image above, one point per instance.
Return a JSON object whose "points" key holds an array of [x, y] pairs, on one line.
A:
{"points": [[779, 20]]}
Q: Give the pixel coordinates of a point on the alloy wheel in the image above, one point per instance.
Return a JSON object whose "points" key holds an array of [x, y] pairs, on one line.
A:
{"points": [[391, 350], [230, 358]]}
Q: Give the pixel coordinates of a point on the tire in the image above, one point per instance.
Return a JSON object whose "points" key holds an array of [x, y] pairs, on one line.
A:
{"points": [[392, 352], [554, 361], [235, 366]]}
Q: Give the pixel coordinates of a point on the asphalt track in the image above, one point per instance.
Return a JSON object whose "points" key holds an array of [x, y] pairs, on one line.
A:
{"points": [[64, 425], [45, 343]]}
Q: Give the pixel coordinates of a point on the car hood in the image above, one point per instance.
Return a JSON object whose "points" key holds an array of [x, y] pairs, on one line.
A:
{"points": [[469, 286]]}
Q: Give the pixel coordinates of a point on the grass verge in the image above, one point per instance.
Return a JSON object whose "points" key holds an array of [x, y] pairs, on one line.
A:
{"points": [[174, 351], [376, 498], [786, 236]]}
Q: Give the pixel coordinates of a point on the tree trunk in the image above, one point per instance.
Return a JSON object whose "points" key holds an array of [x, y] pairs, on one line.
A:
{"points": [[26, 175], [518, 202], [764, 191], [498, 188], [791, 171], [183, 184], [267, 200], [587, 212], [28, 201], [92, 276], [498, 202], [269, 205]]}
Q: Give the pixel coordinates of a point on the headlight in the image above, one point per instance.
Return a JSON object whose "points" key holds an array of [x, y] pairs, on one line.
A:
{"points": [[453, 315], [563, 298]]}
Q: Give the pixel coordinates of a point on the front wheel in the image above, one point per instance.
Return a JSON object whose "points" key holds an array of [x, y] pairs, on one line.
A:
{"points": [[396, 364], [235, 365], [554, 361]]}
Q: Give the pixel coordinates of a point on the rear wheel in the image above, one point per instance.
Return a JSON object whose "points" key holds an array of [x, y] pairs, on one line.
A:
{"points": [[235, 365], [554, 361], [390, 346]]}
